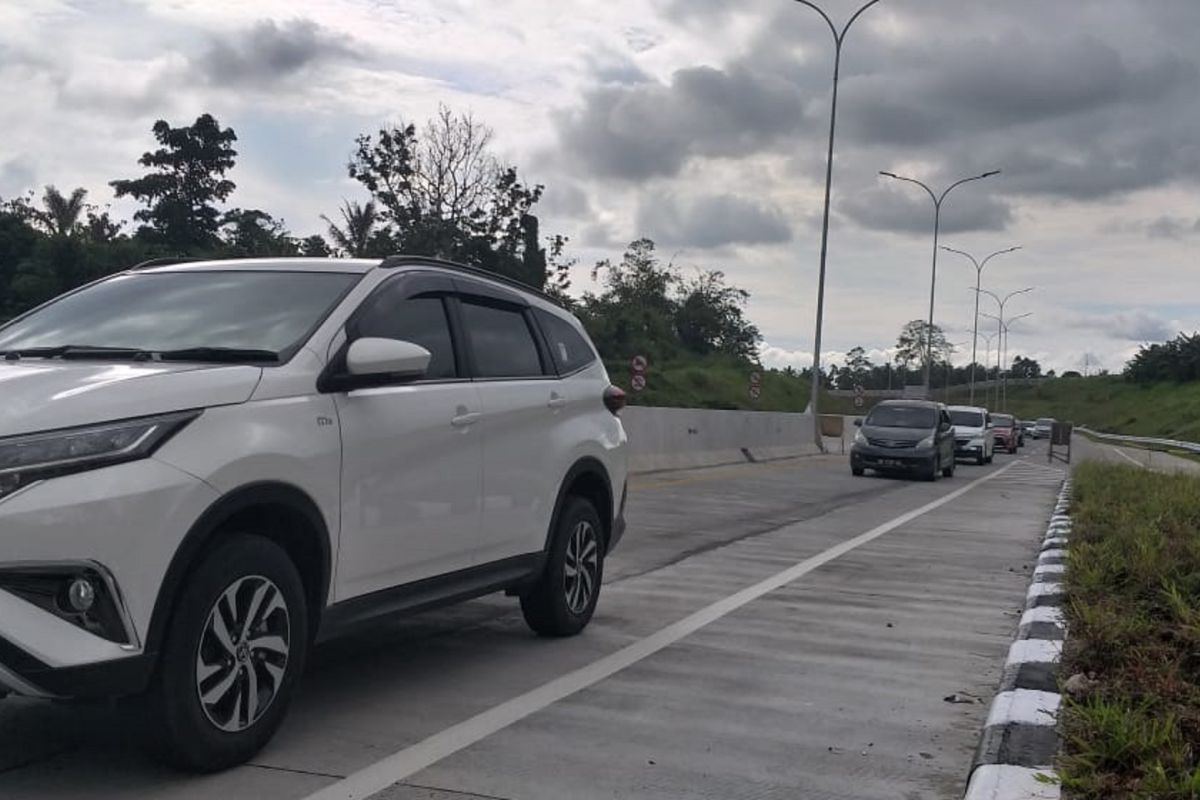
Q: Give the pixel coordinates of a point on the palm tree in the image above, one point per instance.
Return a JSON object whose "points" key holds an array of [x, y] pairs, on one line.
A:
{"points": [[61, 214], [358, 225]]}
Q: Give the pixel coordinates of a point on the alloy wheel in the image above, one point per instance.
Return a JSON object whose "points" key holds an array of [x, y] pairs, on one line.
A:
{"points": [[243, 653], [581, 566]]}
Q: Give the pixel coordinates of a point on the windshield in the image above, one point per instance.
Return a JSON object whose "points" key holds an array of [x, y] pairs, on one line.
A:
{"points": [[164, 311], [902, 417], [967, 419], [1045, 422], [1003, 420]]}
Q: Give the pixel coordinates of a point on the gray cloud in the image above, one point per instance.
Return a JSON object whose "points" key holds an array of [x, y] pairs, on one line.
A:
{"points": [[16, 176], [710, 221], [1133, 326], [911, 211], [1172, 227], [271, 51], [651, 129]]}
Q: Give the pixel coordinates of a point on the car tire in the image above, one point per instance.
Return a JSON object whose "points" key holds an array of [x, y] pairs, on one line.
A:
{"points": [[246, 591], [857, 471], [935, 469], [563, 600]]}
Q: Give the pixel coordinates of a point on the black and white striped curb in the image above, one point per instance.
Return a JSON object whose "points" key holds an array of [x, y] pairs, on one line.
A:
{"points": [[1020, 739]]}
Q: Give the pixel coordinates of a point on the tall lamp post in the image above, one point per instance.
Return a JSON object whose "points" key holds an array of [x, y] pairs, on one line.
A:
{"points": [[937, 223], [838, 38], [979, 265], [1007, 366], [1001, 302]]}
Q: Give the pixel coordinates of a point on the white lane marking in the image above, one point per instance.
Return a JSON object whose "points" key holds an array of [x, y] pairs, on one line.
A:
{"points": [[1127, 457], [411, 760]]}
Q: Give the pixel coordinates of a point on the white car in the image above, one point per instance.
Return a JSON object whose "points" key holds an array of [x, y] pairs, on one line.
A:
{"points": [[972, 433], [207, 467]]}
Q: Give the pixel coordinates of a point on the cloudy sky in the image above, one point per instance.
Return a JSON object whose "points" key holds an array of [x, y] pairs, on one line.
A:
{"points": [[701, 124]]}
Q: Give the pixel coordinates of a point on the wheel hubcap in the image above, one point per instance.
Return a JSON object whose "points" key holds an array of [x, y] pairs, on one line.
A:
{"points": [[243, 653], [581, 567]]}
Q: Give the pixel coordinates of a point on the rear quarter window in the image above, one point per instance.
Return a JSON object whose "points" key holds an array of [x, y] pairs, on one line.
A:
{"points": [[569, 349]]}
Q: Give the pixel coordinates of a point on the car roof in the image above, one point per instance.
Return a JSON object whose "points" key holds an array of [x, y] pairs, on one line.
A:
{"points": [[909, 403], [980, 409]]}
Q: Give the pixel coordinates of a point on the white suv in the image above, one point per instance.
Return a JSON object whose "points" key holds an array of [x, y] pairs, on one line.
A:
{"points": [[207, 467], [973, 437]]}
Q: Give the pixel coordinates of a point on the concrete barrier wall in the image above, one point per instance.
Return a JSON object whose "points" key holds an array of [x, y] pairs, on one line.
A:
{"points": [[678, 438]]}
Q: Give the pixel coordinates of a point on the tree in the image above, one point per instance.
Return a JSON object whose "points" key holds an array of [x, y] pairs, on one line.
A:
{"points": [[1026, 368], [60, 214], [709, 318], [358, 231], [185, 182], [911, 346], [1071, 373], [251, 232], [315, 247], [1175, 360], [443, 193], [857, 369], [636, 311]]}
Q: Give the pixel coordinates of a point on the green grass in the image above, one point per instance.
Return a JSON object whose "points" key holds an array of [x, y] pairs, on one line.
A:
{"points": [[712, 383], [1110, 404], [1133, 582]]}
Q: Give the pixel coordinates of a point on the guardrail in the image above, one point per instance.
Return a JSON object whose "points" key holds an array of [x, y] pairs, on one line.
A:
{"points": [[1147, 441]]}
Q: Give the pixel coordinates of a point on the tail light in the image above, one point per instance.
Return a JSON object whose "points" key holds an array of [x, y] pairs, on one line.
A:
{"points": [[614, 399]]}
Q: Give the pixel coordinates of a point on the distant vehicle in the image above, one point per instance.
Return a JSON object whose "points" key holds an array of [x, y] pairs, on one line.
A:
{"points": [[1041, 428], [1005, 432], [1027, 426], [909, 436], [972, 438]]}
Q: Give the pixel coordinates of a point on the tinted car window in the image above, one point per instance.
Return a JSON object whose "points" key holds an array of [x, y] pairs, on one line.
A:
{"points": [[266, 310], [420, 320], [1003, 420], [568, 348], [967, 419], [501, 341], [902, 417]]}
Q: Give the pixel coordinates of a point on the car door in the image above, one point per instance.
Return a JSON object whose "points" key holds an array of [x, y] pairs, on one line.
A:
{"points": [[521, 399], [412, 468]]}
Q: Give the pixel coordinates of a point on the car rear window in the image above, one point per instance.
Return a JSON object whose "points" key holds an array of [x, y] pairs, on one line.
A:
{"points": [[1003, 420], [967, 419], [902, 417]]}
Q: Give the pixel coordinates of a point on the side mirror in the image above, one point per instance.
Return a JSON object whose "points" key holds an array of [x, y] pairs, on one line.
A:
{"points": [[392, 357], [858, 422]]}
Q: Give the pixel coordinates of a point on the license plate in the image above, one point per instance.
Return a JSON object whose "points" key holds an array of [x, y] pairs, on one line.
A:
{"points": [[891, 462]]}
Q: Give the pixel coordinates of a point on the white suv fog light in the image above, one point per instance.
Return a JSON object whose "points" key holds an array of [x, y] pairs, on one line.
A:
{"points": [[81, 595]]}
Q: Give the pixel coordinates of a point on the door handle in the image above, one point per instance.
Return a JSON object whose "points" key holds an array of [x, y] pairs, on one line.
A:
{"points": [[465, 420], [556, 402]]}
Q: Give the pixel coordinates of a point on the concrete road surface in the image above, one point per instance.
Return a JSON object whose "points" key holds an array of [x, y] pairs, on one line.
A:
{"points": [[766, 630]]}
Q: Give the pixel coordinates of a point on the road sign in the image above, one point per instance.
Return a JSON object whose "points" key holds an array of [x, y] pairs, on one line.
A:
{"points": [[756, 379], [755, 392], [639, 364], [858, 401], [859, 390], [638, 382]]}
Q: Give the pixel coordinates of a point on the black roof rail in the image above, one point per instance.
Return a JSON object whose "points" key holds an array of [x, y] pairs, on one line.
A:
{"points": [[430, 261], [163, 261]]}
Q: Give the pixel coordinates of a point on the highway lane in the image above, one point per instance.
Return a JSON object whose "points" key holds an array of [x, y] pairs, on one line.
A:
{"points": [[831, 683]]}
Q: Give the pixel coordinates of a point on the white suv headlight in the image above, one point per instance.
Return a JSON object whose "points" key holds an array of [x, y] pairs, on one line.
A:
{"points": [[859, 437], [34, 457]]}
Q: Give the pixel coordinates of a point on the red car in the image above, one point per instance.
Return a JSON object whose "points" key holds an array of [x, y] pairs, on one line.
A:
{"points": [[1005, 432]]}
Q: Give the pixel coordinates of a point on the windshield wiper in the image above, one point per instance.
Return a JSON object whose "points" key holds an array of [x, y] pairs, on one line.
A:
{"points": [[220, 354], [75, 351]]}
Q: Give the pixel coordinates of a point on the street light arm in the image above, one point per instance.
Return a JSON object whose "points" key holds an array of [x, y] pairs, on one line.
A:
{"points": [[857, 14], [998, 253], [824, 16], [1011, 295], [995, 297], [961, 182], [978, 266], [932, 196]]}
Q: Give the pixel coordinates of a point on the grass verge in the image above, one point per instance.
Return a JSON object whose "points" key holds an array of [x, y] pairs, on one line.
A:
{"points": [[1133, 580]]}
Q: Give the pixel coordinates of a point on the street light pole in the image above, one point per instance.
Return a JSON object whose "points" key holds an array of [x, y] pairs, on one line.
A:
{"points": [[1000, 327], [1007, 367], [838, 38], [937, 223], [979, 265]]}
